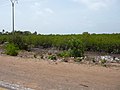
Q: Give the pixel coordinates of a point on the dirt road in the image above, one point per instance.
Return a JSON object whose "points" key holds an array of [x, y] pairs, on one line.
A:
{"points": [[44, 75]]}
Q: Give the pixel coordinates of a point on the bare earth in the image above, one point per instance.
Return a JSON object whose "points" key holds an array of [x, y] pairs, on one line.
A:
{"points": [[45, 75]]}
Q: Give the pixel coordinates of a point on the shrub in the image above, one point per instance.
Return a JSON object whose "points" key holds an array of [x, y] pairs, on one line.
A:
{"points": [[103, 62], [64, 54], [78, 59], [11, 50], [52, 57], [18, 40], [76, 48]]}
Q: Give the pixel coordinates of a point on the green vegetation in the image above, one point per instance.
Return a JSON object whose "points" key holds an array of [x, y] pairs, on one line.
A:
{"points": [[76, 48], [11, 49], [103, 62], [64, 54], [75, 44], [52, 57], [78, 59]]}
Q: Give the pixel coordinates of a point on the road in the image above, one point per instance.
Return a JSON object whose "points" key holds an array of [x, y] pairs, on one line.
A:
{"points": [[46, 75]]}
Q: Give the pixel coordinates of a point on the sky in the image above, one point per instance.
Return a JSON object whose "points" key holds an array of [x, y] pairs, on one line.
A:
{"points": [[62, 16]]}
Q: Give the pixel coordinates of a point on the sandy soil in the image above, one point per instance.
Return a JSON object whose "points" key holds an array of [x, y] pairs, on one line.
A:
{"points": [[44, 75]]}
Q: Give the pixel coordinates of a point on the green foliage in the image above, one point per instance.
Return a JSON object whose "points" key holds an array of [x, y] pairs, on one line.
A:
{"points": [[109, 43], [103, 62], [76, 48], [64, 54], [11, 50], [78, 59], [52, 57], [18, 40]]}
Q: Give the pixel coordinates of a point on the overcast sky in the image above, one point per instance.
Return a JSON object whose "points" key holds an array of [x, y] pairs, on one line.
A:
{"points": [[62, 16]]}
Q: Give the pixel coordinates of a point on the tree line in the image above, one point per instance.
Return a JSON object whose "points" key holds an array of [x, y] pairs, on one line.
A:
{"points": [[109, 43]]}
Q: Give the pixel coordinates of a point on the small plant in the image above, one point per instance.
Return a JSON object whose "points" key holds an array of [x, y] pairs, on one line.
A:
{"points": [[64, 60], [64, 54], [11, 50], [52, 57], [78, 59], [103, 62]]}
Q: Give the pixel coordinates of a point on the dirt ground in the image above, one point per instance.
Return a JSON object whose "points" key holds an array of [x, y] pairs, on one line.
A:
{"points": [[47, 75]]}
